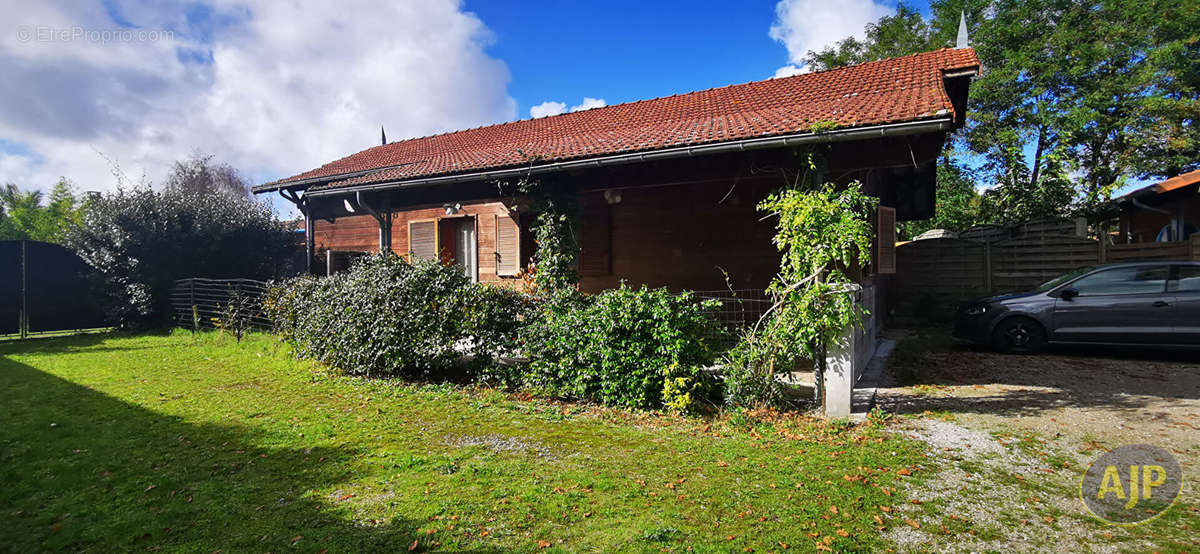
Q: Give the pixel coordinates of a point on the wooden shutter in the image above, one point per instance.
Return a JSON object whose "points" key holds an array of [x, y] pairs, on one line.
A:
{"points": [[508, 246], [885, 241], [422, 240], [595, 238]]}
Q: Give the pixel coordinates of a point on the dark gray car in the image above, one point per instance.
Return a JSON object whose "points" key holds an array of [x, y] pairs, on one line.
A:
{"points": [[1143, 303]]}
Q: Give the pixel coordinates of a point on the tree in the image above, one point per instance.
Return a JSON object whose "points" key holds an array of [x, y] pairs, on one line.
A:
{"points": [[141, 240], [823, 234], [1092, 92], [23, 215], [901, 34], [199, 174], [1087, 82]]}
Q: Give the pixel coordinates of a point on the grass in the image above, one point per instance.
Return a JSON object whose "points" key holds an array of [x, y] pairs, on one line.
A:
{"points": [[189, 443]]}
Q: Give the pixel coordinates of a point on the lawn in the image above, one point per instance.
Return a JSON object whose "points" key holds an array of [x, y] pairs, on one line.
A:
{"points": [[177, 442]]}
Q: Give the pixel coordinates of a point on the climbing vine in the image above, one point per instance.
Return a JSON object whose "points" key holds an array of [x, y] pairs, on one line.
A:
{"points": [[556, 250], [822, 234]]}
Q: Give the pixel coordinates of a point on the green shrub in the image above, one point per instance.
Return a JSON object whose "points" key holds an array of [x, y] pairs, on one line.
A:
{"points": [[141, 240], [389, 317], [622, 346]]}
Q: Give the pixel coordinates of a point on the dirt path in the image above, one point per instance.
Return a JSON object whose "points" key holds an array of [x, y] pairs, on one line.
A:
{"points": [[1011, 435]]}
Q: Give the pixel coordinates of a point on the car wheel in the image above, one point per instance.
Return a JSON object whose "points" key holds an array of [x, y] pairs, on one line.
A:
{"points": [[1018, 335]]}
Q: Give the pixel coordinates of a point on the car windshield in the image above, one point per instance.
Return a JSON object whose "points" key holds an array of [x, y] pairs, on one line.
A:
{"points": [[1063, 278]]}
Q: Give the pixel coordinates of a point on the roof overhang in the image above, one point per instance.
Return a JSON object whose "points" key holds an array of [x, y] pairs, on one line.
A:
{"points": [[939, 124]]}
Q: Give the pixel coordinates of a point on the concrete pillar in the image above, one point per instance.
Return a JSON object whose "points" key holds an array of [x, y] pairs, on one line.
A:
{"points": [[839, 374]]}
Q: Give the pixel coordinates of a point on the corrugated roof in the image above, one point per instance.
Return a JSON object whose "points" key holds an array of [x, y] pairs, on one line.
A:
{"points": [[887, 91]]}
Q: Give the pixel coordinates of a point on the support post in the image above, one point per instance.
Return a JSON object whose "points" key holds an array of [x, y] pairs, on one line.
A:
{"points": [[308, 241], [987, 267], [838, 381], [1102, 238], [24, 322]]}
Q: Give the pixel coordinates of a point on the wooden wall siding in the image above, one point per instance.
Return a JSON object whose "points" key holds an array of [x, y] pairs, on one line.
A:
{"points": [[1144, 225], [361, 233], [358, 233], [682, 236], [595, 235], [885, 240]]}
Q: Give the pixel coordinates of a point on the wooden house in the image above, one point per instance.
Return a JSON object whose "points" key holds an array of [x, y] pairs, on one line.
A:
{"points": [[666, 188], [1163, 212]]}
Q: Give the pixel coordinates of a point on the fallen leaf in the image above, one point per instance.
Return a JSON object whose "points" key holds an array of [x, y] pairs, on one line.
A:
{"points": [[842, 533], [413, 546], [543, 544], [913, 523]]}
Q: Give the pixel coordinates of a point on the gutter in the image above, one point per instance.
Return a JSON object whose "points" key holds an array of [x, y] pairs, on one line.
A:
{"points": [[857, 133]]}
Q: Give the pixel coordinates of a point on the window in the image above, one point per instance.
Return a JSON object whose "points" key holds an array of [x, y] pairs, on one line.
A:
{"points": [[1187, 279], [422, 240], [1123, 280], [508, 246]]}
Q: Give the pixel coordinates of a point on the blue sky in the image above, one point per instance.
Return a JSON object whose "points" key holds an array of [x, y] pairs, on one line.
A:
{"points": [[275, 90], [631, 50]]}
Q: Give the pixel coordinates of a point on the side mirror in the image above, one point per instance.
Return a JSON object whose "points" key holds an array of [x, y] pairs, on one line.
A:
{"points": [[1067, 294]]}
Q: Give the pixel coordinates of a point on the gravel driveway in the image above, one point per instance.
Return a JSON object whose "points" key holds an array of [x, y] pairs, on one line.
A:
{"points": [[1056, 412]]}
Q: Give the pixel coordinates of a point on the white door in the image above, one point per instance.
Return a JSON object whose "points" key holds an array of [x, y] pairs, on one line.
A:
{"points": [[465, 253]]}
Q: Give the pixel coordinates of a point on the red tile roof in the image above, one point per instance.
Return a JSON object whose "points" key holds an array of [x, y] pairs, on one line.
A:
{"points": [[887, 91], [1178, 182]]}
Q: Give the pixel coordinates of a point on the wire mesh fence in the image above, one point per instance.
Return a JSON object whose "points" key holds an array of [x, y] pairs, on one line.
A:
{"points": [[219, 303], [739, 310]]}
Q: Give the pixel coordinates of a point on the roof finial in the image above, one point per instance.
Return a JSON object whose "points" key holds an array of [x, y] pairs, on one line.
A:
{"points": [[383, 135], [963, 41]]}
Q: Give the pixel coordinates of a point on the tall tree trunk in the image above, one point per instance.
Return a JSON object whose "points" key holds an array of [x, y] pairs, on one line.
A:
{"points": [[1036, 167]]}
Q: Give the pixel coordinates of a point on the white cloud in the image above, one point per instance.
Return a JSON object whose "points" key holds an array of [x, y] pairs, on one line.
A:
{"points": [[589, 103], [546, 108], [789, 70], [804, 25], [270, 88], [551, 107]]}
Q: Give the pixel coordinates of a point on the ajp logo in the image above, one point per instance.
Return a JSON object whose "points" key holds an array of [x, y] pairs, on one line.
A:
{"points": [[1132, 484]]}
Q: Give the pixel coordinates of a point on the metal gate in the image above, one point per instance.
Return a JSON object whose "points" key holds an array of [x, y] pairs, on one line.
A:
{"points": [[44, 287]]}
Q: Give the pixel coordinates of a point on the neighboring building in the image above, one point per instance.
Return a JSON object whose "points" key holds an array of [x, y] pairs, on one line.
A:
{"points": [[1162, 212], [667, 188]]}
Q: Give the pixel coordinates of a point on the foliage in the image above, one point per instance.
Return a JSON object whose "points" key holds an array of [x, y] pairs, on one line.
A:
{"points": [[622, 347], [1076, 95], [387, 316], [823, 234], [1087, 81], [141, 240], [899, 34], [556, 253], [1018, 198], [24, 216], [200, 174], [236, 316]]}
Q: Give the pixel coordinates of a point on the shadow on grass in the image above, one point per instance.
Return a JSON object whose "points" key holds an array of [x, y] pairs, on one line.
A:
{"points": [[930, 361], [85, 471]]}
